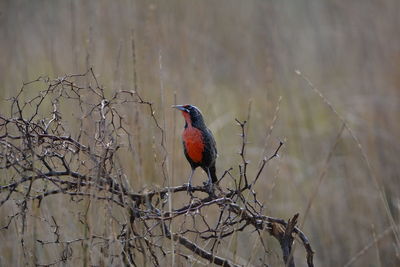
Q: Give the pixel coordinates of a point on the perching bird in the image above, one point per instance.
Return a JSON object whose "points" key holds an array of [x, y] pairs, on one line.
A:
{"points": [[198, 143]]}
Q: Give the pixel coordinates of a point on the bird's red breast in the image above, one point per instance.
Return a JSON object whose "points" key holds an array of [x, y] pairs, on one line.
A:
{"points": [[194, 143]]}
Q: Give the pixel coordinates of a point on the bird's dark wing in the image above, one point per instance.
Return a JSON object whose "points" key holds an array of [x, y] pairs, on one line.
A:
{"points": [[214, 144], [210, 155], [211, 144]]}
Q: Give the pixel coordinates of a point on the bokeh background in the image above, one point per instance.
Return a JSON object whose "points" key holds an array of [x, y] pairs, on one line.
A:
{"points": [[224, 56]]}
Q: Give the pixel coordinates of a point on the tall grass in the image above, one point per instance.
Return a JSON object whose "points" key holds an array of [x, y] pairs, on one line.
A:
{"points": [[219, 55]]}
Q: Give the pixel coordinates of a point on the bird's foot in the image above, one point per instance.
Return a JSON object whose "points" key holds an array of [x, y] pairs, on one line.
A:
{"points": [[209, 187], [189, 189]]}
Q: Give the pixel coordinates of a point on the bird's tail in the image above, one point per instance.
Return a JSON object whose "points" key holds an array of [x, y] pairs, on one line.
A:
{"points": [[213, 174]]}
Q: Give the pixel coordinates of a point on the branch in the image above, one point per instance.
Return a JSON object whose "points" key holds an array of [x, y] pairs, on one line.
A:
{"points": [[197, 250], [40, 157]]}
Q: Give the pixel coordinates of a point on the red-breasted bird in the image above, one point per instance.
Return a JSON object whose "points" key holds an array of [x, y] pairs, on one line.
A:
{"points": [[198, 143]]}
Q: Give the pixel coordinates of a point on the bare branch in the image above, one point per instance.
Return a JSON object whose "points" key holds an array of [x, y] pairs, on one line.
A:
{"points": [[48, 151]]}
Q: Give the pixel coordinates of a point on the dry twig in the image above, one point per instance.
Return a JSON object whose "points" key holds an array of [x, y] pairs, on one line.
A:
{"points": [[41, 156]]}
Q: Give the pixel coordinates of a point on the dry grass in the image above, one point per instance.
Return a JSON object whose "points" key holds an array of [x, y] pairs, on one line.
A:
{"points": [[219, 55]]}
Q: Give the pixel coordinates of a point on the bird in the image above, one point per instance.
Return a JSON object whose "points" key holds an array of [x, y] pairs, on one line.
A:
{"points": [[199, 145]]}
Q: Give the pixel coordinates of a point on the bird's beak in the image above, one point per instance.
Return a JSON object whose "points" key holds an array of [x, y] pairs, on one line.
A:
{"points": [[180, 107]]}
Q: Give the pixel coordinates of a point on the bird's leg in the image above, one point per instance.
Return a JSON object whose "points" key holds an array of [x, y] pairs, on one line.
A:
{"points": [[209, 184], [189, 189]]}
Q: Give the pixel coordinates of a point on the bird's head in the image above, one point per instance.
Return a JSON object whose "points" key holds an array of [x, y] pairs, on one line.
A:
{"points": [[191, 114]]}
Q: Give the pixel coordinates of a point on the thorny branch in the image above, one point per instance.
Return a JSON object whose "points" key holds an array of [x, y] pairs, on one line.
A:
{"points": [[44, 155]]}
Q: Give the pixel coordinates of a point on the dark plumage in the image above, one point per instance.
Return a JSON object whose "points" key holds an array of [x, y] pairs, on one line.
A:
{"points": [[198, 142]]}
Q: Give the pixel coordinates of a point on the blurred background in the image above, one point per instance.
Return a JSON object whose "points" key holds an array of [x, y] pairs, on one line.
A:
{"points": [[227, 56]]}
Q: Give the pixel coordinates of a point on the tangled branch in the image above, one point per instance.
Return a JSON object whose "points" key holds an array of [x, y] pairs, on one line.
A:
{"points": [[45, 152]]}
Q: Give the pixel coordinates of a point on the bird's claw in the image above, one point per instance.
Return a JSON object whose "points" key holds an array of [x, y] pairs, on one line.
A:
{"points": [[189, 189], [209, 186]]}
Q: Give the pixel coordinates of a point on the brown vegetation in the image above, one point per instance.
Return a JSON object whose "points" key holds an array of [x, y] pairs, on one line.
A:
{"points": [[338, 167], [42, 159]]}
